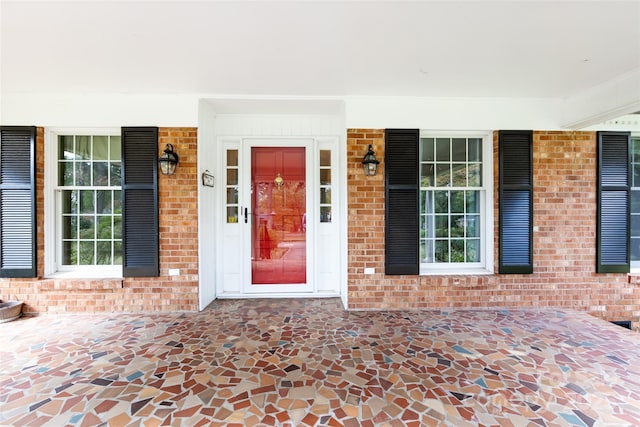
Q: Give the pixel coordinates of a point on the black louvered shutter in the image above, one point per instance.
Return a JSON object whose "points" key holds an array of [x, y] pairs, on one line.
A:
{"points": [[18, 201], [516, 202], [140, 256], [402, 191], [614, 186]]}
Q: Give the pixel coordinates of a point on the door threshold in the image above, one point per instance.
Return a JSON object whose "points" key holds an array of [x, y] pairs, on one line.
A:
{"points": [[278, 295]]}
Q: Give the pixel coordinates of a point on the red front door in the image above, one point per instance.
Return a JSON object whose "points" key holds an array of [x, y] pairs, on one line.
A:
{"points": [[278, 204]]}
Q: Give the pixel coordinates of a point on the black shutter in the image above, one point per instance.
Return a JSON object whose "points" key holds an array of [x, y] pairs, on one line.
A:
{"points": [[402, 192], [614, 186], [516, 202], [18, 202], [140, 256]]}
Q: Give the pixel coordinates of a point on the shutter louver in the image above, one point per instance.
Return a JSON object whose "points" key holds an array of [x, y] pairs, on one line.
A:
{"points": [[614, 186], [402, 193], [140, 242], [516, 202], [17, 202]]}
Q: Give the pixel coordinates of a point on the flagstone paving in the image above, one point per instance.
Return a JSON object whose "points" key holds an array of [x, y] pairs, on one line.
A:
{"points": [[307, 362]]}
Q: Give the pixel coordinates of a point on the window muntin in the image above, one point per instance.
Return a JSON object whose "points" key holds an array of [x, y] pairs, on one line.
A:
{"points": [[635, 201], [452, 202], [325, 185], [89, 201]]}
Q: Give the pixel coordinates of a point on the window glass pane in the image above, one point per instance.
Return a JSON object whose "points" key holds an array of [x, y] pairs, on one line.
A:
{"points": [[232, 196], [441, 202], [100, 174], [70, 252], [117, 202], [459, 174], [117, 253], [442, 225], [457, 202], [83, 148], [427, 146], [457, 226], [459, 149], [69, 227], [475, 149], [100, 148], [87, 227], [86, 201], [475, 175], [473, 202], [325, 195], [636, 175], [117, 227], [473, 250], [83, 173], [103, 201], [325, 157], [69, 201], [426, 173], [441, 251], [325, 176], [472, 223], [86, 256], [114, 178], [115, 151], [457, 250], [635, 222], [103, 253], [232, 157], [65, 147], [443, 175], [104, 227], [232, 176], [443, 150], [65, 173], [635, 249], [232, 214], [325, 214]]}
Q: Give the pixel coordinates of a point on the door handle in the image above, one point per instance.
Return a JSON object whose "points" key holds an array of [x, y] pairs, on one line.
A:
{"points": [[245, 216]]}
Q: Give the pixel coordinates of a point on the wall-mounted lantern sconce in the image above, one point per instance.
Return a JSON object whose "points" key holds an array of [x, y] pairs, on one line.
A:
{"points": [[168, 161], [370, 163]]}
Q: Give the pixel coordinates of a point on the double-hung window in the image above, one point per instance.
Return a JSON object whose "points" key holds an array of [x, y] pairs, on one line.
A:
{"points": [[88, 204], [455, 213]]}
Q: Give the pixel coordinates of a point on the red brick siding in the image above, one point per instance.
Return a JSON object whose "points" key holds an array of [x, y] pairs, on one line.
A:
{"points": [[564, 240], [178, 201]]}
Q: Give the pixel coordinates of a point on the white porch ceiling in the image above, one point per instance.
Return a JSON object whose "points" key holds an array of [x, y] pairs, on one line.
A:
{"points": [[495, 49]]}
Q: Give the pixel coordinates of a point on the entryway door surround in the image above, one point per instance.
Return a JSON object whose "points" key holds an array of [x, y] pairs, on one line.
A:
{"points": [[280, 236]]}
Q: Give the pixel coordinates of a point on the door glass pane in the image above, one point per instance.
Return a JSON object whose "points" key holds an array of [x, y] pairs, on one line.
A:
{"points": [[278, 254]]}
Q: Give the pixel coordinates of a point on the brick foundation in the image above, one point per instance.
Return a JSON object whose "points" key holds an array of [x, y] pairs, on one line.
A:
{"points": [[564, 241], [178, 205]]}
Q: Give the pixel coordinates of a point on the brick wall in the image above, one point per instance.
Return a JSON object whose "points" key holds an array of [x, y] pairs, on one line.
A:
{"points": [[178, 205], [564, 241]]}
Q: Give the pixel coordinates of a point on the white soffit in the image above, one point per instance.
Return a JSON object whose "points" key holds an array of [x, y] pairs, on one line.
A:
{"points": [[524, 50]]}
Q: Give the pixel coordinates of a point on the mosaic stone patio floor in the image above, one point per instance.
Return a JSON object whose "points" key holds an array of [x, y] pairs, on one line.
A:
{"points": [[309, 363]]}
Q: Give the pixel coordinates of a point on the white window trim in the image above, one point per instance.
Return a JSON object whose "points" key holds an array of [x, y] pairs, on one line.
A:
{"points": [[486, 265], [634, 266], [52, 223]]}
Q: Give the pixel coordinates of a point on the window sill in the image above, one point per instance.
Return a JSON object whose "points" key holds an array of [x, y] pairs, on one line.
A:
{"points": [[89, 274], [455, 272]]}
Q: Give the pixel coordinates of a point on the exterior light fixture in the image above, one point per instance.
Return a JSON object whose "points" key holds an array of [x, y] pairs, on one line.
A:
{"points": [[370, 163], [168, 161]]}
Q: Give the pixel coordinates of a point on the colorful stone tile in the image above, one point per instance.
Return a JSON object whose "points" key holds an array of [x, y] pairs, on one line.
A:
{"points": [[308, 362]]}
